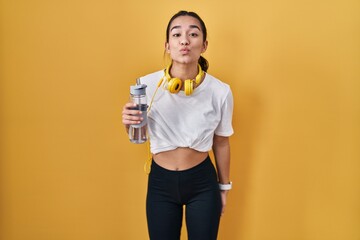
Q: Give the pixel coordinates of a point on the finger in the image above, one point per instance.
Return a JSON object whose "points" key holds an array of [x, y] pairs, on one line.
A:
{"points": [[130, 104], [223, 210], [129, 112], [130, 119]]}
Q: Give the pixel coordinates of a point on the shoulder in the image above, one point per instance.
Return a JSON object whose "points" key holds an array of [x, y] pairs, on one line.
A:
{"points": [[152, 78], [217, 85]]}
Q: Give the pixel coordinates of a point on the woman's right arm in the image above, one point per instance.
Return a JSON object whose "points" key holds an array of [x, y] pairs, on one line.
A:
{"points": [[130, 116]]}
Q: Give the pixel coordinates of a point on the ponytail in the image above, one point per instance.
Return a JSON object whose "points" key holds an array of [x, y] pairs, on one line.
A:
{"points": [[203, 63]]}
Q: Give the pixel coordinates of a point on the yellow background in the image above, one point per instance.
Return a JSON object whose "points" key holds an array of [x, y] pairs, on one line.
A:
{"points": [[68, 171]]}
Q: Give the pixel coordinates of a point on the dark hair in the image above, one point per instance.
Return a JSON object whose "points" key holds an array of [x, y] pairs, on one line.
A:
{"points": [[202, 61]]}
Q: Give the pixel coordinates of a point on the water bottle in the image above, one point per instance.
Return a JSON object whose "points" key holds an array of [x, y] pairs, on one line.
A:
{"points": [[138, 132]]}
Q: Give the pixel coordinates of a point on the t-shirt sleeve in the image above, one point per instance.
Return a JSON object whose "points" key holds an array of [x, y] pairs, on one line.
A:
{"points": [[224, 127]]}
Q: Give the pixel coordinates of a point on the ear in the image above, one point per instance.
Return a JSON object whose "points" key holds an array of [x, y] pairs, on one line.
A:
{"points": [[167, 47], [205, 45]]}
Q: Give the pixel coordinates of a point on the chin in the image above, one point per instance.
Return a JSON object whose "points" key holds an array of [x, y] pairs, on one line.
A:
{"points": [[185, 61]]}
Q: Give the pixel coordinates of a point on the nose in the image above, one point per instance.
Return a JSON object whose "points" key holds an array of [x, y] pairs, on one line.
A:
{"points": [[184, 41]]}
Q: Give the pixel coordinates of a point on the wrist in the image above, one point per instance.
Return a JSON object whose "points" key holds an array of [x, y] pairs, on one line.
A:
{"points": [[225, 187]]}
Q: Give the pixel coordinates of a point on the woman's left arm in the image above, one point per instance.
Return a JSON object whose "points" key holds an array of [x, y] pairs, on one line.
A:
{"points": [[221, 149]]}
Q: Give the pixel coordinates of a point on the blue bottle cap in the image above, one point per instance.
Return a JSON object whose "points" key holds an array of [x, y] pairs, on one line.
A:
{"points": [[138, 89]]}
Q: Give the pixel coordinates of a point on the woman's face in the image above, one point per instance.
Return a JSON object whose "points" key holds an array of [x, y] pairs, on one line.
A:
{"points": [[186, 41]]}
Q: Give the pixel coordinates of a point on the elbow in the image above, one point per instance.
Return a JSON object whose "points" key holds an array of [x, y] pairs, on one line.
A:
{"points": [[220, 141]]}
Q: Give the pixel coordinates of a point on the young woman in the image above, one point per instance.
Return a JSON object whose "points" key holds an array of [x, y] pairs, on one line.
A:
{"points": [[190, 114]]}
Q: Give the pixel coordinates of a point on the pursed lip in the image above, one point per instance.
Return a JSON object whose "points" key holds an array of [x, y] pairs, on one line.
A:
{"points": [[184, 50]]}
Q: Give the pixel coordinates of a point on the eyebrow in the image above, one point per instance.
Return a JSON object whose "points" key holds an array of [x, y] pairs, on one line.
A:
{"points": [[178, 26]]}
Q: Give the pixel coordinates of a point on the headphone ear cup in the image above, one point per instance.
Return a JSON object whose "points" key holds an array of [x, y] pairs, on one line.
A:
{"points": [[188, 87], [174, 85]]}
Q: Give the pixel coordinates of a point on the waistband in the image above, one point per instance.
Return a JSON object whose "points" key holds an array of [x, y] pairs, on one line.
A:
{"points": [[206, 162]]}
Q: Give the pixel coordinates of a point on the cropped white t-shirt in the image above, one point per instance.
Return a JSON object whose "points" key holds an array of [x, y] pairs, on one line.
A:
{"points": [[177, 120]]}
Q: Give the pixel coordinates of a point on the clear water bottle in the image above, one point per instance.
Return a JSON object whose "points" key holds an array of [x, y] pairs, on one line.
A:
{"points": [[138, 132]]}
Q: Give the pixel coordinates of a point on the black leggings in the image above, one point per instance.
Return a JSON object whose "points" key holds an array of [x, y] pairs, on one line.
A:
{"points": [[169, 191]]}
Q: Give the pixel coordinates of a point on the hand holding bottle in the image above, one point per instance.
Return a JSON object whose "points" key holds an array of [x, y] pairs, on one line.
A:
{"points": [[135, 114], [130, 115]]}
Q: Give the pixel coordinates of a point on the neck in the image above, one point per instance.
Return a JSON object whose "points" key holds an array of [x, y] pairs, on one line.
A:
{"points": [[184, 71]]}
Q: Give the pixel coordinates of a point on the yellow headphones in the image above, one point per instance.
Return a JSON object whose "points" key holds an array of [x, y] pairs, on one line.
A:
{"points": [[174, 84]]}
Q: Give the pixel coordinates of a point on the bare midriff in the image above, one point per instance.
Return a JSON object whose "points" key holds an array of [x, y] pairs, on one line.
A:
{"points": [[179, 158]]}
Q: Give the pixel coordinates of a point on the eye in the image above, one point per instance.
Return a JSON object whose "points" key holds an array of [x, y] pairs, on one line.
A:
{"points": [[193, 34], [176, 35]]}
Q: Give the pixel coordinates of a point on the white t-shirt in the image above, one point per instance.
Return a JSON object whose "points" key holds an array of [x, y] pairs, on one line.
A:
{"points": [[177, 120]]}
